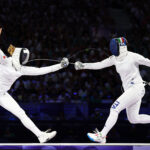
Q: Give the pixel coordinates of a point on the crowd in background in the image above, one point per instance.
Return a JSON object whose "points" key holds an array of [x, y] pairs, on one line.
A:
{"points": [[60, 28], [56, 29]]}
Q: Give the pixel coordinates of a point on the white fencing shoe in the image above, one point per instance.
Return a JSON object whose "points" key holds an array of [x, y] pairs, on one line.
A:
{"points": [[46, 136], [96, 137]]}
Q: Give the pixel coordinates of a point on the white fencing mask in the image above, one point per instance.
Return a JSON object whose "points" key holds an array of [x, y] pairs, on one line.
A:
{"points": [[20, 57]]}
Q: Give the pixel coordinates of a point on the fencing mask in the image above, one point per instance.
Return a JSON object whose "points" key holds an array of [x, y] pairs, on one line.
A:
{"points": [[118, 46], [20, 56]]}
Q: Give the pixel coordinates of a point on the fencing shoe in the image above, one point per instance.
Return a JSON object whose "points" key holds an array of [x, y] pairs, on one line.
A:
{"points": [[46, 136], [96, 137]]}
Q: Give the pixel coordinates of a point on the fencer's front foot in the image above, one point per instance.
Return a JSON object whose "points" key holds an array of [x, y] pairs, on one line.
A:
{"points": [[96, 137], [46, 136]]}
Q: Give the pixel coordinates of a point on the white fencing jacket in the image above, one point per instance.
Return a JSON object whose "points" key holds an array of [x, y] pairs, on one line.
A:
{"points": [[8, 74], [128, 68]]}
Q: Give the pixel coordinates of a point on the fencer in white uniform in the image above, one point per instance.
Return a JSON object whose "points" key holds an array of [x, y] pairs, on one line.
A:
{"points": [[127, 65], [11, 68]]}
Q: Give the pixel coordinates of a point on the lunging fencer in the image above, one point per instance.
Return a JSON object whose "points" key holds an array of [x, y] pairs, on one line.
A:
{"points": [[11, 68], [127, 65]]}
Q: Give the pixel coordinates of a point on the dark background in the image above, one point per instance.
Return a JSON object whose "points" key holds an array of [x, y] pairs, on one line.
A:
{"points": [[73, 102]]}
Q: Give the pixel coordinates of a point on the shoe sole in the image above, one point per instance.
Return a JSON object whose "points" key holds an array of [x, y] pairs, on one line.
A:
{"points": [[94, 140]]}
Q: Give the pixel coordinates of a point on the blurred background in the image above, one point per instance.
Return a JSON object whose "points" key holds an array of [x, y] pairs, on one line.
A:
{"points": [[73, 102]]}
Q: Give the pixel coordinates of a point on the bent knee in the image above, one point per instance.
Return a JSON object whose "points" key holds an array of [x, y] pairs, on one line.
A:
{"points": [[133, 120]]}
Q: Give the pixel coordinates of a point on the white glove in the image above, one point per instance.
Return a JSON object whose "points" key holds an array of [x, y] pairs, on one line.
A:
{"points": [[79, 65], [64, 62]]}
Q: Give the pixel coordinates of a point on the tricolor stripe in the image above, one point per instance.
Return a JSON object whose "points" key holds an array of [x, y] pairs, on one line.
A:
{"points": [[121, 40]]}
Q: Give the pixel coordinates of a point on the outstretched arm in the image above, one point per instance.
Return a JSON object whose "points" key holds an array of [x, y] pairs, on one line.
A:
{"points": [[34, 71], [95, 66]]}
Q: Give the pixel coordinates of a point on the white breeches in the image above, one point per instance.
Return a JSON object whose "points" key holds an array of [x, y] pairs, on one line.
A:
{"points": [[131, 101]]}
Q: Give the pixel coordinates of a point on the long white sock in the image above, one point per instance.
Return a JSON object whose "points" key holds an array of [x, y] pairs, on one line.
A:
{"points": [[28, 123], [111, 121]]}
